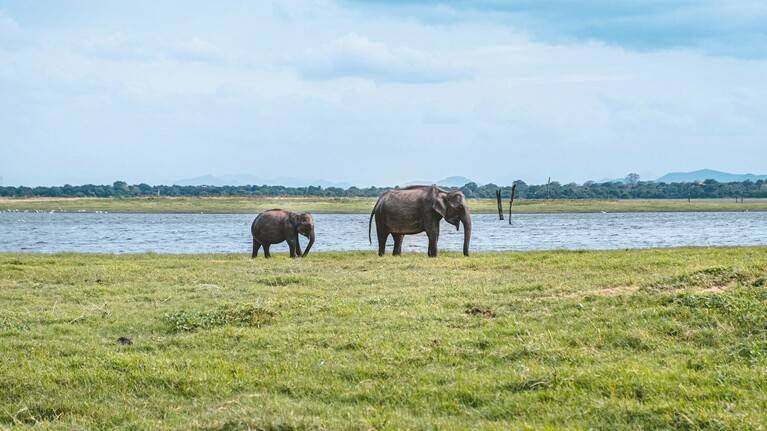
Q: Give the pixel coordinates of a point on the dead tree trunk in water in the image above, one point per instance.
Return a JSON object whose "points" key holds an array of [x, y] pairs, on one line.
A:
{"points": [[511, 201], [548, 194], [500, 204]]}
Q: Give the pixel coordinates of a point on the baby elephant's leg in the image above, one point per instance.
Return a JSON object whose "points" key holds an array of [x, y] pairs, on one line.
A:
{"points": [[256, 246]]}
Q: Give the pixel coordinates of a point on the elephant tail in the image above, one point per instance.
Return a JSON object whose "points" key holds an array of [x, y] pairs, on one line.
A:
{"points": [[370, 224]]}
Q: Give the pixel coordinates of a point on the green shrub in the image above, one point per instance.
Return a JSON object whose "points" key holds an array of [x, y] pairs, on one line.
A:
{"points": [[185, 320]]}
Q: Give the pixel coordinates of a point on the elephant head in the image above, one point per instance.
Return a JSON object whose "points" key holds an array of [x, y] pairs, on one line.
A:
{"points": [[304, 224], [452, 206]]}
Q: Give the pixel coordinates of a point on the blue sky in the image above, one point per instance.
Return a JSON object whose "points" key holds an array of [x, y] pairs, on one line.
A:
{"points": [[380, 92]]}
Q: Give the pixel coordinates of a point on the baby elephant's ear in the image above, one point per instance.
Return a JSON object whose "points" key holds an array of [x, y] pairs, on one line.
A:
{"points": [[294, 219]]}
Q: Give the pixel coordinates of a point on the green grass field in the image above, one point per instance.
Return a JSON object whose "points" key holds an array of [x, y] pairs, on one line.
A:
{"points": [[673, 338], [361, 205]]}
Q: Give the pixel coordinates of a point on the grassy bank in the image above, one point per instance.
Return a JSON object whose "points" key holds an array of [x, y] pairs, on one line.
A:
{"points": [[359, 205], [636, 339]]}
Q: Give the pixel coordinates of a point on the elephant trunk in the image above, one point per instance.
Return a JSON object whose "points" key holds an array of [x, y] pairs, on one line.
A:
{"points": [[466, 220], [311, 242]]}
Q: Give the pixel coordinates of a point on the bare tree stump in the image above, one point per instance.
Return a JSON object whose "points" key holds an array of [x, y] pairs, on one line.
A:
{"points": [[548, 194], [500, 204], [511, 201]]}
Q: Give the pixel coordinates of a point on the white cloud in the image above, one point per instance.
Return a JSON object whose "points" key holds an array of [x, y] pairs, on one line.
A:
{"points": [[7, 24], [355, 56], [122, 47], [196, 49], [10, 31], [118, 47], [96, 92]]}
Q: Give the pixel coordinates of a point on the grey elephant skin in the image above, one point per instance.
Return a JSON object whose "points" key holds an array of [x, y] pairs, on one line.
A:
{"points": [[275, 226], [417, 209]]}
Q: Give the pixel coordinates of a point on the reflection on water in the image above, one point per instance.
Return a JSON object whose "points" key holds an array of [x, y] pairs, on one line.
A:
{"points": [[198, 233]]}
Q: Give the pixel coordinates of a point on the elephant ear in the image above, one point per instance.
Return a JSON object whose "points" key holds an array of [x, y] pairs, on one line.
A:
{"points": [[294, 219], [439, 205]]}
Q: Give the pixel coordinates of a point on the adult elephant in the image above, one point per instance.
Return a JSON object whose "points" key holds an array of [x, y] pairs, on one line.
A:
{"points": [[275, 226], [417, 209]]}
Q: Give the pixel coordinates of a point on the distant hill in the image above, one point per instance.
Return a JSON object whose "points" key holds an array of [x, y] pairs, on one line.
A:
{"points": [[247, 180], [708, 174], [455, 181]]}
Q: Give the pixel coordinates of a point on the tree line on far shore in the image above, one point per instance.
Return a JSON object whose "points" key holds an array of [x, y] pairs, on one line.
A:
{"points": [[590, 190]]}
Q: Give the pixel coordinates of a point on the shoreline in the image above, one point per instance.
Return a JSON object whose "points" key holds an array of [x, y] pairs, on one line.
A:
{"points": [[250, 205]]}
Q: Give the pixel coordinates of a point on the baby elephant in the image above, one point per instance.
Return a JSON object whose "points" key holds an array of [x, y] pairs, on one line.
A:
{"points": [[275, 226]]}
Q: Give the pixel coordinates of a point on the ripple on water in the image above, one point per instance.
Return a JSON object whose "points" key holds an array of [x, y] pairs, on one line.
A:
{"points": [[199, 233]]}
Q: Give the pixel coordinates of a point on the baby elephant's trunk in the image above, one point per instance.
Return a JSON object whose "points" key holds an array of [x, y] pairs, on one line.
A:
{"points": [[311, 242]]}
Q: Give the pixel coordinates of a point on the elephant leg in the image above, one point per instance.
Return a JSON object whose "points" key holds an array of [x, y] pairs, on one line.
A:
{"points": [[292, 247], [397, 244], [433, 236], [256, 246], [382, 244], [266, 251]]}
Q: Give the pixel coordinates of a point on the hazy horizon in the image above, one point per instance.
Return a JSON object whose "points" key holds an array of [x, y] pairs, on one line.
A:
{"points": [[379, 93], [451, 181]]}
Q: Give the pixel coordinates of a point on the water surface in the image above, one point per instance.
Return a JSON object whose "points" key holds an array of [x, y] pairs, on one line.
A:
{"points": [[204, 233]]}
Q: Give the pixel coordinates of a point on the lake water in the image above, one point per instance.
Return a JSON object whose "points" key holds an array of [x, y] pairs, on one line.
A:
{"points": [[204, 233]]}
